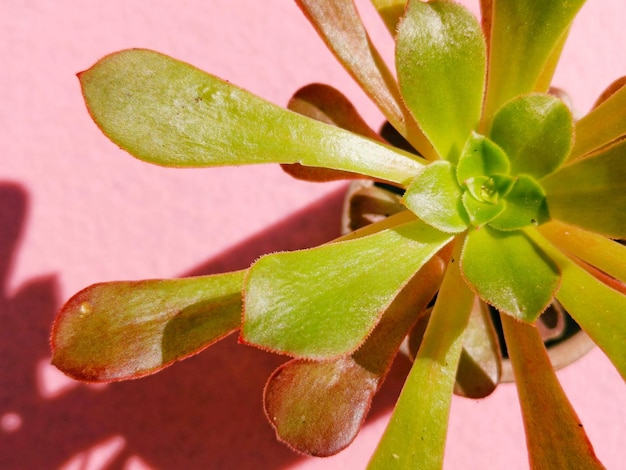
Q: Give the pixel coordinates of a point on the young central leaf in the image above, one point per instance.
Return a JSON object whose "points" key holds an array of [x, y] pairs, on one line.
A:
{"points": [[489, 189], [481, 212], [481, 157], [525, 205], [482, 173]]}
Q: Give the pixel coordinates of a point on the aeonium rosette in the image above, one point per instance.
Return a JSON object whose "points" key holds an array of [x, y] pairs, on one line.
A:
{"points": [[509, 202]]}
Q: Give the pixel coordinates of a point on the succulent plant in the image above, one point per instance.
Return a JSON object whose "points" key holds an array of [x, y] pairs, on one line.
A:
{"points": [[507, 201]]}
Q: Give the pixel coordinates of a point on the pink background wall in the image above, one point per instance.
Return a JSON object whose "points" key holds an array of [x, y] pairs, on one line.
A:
{"points": [[75, 210]]}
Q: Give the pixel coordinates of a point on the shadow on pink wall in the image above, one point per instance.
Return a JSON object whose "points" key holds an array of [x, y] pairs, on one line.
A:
{"points": [[205, 412]]}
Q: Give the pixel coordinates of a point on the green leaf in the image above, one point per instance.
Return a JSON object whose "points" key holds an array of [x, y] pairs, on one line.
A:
{"points": [[600, 252], [525, 205], [481, 212], [324, 302], [489, 189], [509, 271], [535, 132], [526, 37], [549, 419], [319, 407], [339, 24], [603, 125], [435, 197], [121, 330], [167, 112], [390, 11], [440, 58], [596, 307], [481, 157], [591, 192], [416, 434]]}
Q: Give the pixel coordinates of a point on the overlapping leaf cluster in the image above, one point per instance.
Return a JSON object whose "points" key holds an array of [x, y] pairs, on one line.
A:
{"points": [[509, 202]]}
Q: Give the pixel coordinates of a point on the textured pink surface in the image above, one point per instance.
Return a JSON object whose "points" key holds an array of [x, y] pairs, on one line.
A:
{"points": [[75, 210]]}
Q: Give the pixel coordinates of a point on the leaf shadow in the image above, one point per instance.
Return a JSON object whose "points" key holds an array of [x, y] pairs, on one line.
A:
{"points": [[204, 412]]}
